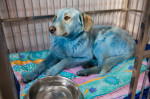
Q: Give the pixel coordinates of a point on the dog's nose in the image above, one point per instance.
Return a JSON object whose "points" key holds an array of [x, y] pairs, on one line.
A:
{"points": [[52, 29]]}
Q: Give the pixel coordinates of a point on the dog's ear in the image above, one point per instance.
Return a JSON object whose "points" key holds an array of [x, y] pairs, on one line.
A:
{"points": [[87, 22]]}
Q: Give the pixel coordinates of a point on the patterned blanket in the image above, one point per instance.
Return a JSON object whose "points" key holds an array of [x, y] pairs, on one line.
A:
{"points": [[113, 85]]}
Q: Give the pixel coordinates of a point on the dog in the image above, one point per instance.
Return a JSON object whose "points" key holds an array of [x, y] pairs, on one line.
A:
{"points": [[75, 41]]}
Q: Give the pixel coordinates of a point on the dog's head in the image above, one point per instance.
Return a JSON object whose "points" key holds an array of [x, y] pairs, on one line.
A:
{"points": [[68, 20]]}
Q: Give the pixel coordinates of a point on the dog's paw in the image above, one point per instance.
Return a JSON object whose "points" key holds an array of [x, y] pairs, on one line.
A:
{"points": [[82, 73], [29, 77], [85, 66], [91, 63], [51, 72], [97, 76], [102, 73]]}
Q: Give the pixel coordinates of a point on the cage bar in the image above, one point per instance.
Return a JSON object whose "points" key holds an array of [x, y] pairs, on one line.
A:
{"points": [[19, 26], [145, 77], [34, 27], [41, 25], [144, 30], [11, 27], [140, 19], [109, 12], [27, 25], [7, 83]]}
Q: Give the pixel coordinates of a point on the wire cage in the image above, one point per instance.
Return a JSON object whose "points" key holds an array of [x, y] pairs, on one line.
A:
{"points": [[25, 23]]}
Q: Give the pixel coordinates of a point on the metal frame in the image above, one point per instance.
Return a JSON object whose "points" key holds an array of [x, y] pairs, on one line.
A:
{"points": [[51, 16], [7, 83], [140, 53]]}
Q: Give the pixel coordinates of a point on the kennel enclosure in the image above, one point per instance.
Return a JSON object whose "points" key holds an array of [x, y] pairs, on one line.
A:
{"points": [[24, 26]]}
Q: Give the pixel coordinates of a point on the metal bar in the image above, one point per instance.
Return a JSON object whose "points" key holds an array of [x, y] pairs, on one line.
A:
{"points": [[127, 3], [47, 12], [140, 19], [148, 97], [99, 13], [147, 54], [112, 16], [34, 26], [78, 4], [135, 10], [48, 19], [53, 6], [7, 83], [28, 35], [27, 26], [121, 13], [145, 77], [19, 26], [26, 18], [117, 12], [11, 27], [140, 50], [94, 14], [115, 18], [103, 14], [42, 26], [84, 5], [109, 13], [135, 16], [66, 3], [105, 8], [60, 4], [114, 12], [128, 17], [72, 3], [13, 37], [89, 5], [51, 16]]}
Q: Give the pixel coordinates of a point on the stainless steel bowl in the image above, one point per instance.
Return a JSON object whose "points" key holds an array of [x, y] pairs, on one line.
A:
{"points": [[54, 87]]}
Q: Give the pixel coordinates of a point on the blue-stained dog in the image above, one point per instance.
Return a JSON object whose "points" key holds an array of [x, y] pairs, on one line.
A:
{"points": [[75, 41]]}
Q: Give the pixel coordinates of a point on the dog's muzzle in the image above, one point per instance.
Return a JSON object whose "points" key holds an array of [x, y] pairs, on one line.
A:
{"points": [[52, 29]]}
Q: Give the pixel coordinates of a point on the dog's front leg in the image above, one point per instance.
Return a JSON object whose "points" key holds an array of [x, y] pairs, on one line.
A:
{"points": [[48, 62], [66, 62]]}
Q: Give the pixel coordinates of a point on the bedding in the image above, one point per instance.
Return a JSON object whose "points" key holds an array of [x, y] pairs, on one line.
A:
{"points": [[113, 85]]}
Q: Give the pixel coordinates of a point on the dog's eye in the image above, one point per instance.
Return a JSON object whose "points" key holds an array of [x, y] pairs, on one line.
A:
{"points": [[66, 17]]}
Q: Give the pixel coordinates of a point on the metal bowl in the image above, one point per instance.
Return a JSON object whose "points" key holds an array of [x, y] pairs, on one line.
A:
{"points": [[54, 87]]}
